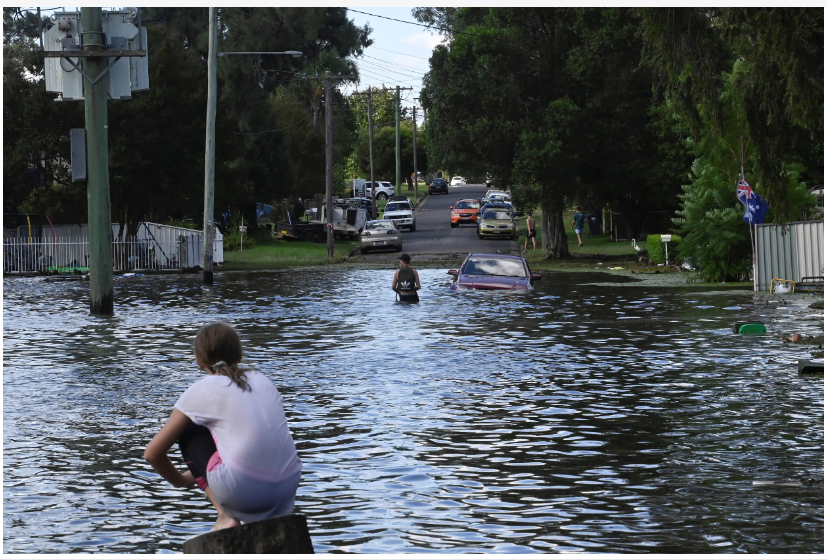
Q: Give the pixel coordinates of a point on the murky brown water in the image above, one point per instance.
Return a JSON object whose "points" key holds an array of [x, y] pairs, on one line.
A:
{"points": [[576, 418]]}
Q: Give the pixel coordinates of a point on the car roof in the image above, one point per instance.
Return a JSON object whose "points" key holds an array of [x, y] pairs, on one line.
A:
{"points": [[498, 205], [468, 200], [496, 256], [378, 221]]}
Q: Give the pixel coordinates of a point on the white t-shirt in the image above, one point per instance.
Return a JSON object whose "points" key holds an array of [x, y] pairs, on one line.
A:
{"points": [[249, 427]]}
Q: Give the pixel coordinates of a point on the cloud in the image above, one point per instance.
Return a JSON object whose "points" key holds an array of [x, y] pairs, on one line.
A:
{"points": [[426, 41]]}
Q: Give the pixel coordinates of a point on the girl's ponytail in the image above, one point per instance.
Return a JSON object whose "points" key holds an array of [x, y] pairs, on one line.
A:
{"points": [[234, 372], [218, 344]]}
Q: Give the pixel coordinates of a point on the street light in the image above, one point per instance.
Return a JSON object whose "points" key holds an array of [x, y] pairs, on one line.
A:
{"points": [[209, 152]]}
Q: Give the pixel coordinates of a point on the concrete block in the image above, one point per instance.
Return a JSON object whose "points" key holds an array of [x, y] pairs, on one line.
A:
{"points": [[280, 535], [809, 367]]}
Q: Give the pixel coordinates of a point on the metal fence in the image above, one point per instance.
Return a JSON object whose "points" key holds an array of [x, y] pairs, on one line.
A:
{"points": [[67, 254], [790, 252], [66, 248]]}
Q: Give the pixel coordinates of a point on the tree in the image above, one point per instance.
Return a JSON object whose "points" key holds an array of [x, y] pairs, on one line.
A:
{"points": [[780, 84], [711, 217], [553, 98], [384, 152], [266, 145]]}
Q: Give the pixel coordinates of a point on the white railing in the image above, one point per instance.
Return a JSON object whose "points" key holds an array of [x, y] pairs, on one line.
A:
{"points": [[67, 254]]}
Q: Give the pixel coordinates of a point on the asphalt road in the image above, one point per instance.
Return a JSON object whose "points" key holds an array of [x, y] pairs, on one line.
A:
{"points": [[434, 234]]}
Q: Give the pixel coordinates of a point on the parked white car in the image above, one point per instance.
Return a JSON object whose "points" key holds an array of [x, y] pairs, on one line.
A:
{"points": [[457, 180], [402, 213], [384, 189]]}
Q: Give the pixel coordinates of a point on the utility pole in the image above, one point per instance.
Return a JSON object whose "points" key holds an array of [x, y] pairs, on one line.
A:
{"points": [[97, 186], [398, 140], [209, 151], [416, 177], [328, 102], [370, 142], [398, 145], [328, 142]]}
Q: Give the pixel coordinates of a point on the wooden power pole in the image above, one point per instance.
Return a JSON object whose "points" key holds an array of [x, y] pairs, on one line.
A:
{"points": [[399, 140], [328, 102], [97, 147], [209, 150], [374, 210], [416, 177]]}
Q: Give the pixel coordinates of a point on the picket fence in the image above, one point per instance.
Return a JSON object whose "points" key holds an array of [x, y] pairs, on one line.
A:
{"points": [[68, 254]]}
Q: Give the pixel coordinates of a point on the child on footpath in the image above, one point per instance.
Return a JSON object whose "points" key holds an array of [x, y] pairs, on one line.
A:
{"points": [[232, 432]]}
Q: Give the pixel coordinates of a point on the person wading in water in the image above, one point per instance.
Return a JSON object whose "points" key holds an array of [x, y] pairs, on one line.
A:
{"points": [[406, 280]]}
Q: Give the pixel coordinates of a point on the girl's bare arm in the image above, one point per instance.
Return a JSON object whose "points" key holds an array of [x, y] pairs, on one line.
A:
{"points": [[156, 451]]}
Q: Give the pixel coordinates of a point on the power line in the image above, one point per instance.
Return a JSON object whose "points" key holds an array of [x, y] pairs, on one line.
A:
{"points": [[276, 130]]}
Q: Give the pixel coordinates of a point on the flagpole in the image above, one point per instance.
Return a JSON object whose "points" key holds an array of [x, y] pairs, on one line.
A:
{"points": [[751, 241]]}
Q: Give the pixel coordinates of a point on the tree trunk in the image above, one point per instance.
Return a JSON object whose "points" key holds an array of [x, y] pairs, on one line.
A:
{"points": [[544, 227], [558, 242]]}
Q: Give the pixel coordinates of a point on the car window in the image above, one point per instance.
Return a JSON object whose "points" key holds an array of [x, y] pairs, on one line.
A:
{"points": [[467, 204], [497, 215], [397, 206], [379, 225], [494, 267]]}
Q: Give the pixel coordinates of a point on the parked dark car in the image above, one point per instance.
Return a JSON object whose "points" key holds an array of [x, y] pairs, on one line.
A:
{"points": [[438, 185], [480, 271]]}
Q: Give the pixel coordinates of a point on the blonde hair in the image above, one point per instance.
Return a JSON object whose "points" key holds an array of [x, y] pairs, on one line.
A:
{"points": [[218, 346]]}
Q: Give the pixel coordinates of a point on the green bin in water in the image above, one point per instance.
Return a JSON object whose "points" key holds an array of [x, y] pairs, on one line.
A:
{"points": [[750, 328]]}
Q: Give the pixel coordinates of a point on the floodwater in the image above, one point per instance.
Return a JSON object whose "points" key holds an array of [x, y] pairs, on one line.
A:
{"points": [[575, 418]]}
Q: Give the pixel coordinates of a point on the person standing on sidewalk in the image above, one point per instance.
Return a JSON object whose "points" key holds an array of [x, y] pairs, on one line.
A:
{"points": [[577, 224], [531, 232]]}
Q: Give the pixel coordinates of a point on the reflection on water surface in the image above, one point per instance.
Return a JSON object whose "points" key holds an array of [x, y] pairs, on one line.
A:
{"points": [[578, 417]]}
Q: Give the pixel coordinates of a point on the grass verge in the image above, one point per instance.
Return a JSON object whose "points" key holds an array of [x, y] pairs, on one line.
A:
{"points": [[278, 253]]}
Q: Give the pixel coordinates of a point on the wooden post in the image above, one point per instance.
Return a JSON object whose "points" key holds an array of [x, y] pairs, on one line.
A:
{"points": [[398, 144], [370, 141], [280, 535], [97, 185], [416, 178], [328, 112], [209, 151]]}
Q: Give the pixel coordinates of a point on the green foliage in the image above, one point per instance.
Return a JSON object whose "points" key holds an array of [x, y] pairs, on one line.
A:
{"points": [[184, 223], [710, 221], [269, 129], [779, 86], [710, 217], [657, 251], [384, 152], [232, 237], [553, 97]]}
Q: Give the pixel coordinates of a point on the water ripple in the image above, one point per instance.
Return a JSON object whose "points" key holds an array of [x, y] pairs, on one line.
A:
{"points": [[577, 418]]}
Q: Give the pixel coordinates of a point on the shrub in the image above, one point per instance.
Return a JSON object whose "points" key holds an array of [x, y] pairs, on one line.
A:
{"points": [[657, 252], [232, 237]]}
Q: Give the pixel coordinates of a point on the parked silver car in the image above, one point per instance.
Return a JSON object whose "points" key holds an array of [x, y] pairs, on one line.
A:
{"points": [[380, 234]]}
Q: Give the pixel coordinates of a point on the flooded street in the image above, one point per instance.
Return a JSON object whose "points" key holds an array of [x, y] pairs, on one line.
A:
{"points": [[609, 418]]}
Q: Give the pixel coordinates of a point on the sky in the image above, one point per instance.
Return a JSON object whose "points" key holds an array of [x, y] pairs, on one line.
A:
{"points": [[399, 54]]}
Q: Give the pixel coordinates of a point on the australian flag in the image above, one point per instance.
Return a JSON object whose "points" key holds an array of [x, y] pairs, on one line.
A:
{"points": [[756, 206]]}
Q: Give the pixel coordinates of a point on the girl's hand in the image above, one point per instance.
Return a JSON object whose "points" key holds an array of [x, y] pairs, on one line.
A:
{"points": [[186, 480], [156, 451]]}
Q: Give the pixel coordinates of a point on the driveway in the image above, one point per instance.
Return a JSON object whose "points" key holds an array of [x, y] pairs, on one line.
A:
{"points": [[434, 235]]}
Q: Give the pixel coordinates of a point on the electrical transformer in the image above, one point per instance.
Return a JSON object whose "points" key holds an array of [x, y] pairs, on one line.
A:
{"points": [[121, 32]]}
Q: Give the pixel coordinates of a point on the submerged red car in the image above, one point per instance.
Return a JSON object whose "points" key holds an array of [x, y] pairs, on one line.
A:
{"points": [[480, 271]]}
